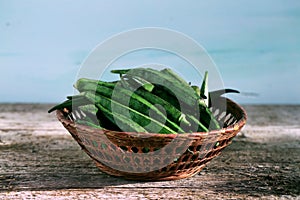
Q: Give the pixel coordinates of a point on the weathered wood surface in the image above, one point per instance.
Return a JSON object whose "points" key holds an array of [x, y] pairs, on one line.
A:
{"points": [[40, 160]]}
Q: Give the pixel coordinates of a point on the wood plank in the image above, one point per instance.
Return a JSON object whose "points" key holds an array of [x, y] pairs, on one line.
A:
{"points": [[40, 160]]}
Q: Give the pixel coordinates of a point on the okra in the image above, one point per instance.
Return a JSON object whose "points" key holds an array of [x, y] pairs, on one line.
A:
{"points": [[183, 93], [92, 85], [93, 114], [140, 82], [200, 126], [204, 89], [206, 118], [172, 112], [136, 102], [174, 76], [205, 114], [117, 118], [196, 89], [69, 104], [138, 92], [143, 120], [218, 93]]}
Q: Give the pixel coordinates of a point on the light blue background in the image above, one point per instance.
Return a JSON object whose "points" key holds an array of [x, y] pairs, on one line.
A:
{"points": [[255, 44]]}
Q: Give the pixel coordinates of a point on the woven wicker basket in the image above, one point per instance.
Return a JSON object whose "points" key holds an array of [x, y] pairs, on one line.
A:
{"points": [[123, 154]]}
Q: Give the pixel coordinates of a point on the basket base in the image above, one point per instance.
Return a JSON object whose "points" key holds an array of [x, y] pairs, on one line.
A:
{"points": [[151, 176]]}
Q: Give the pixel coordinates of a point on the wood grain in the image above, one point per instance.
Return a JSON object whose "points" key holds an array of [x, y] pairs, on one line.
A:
{"points": [[40, 160]]}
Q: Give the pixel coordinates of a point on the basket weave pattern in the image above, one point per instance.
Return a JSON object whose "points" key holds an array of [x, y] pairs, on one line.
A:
{"points": [[122, 154]]}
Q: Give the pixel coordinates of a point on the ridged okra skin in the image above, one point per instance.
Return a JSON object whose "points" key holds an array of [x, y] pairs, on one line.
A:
{"points": [[179, 93], [115, 111], [146, 100], [128, 98]]}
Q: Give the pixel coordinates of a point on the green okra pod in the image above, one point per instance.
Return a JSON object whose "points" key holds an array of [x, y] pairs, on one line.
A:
{"points": [[120, 109]]}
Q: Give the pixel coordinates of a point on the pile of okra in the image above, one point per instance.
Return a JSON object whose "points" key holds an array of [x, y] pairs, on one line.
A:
{"points": [[143, 100]]}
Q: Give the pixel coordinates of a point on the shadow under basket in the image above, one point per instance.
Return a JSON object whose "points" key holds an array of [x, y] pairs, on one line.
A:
{"points": [[152, 156]]}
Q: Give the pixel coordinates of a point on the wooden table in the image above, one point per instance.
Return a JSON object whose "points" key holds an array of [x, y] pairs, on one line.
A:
{"points": [[40, 160]]}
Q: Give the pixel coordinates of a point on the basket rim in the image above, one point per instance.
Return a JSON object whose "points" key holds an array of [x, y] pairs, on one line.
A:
{"points": [[234, 127]]}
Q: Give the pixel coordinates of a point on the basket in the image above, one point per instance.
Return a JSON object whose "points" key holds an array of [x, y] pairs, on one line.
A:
{"points": [[150, 156]]}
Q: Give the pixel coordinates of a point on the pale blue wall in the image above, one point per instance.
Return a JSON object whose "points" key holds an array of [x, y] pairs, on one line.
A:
{"points": [[255, 44]]}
